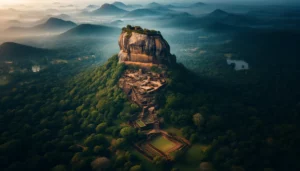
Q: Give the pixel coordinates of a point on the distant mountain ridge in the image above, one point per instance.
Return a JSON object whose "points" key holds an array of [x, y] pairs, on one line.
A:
{"points": [[116, 22], [153, 5], [156, 10], [51, 25], [198, 4], [55, 23], [142, 13], [109, 9], [229, 18], [126, 6], [120, 4], [15, 51], [163, 9], [63, 17], [218, 13], [179, 15], [92, 6], [89, 8], [86, 30], [218, 20]]}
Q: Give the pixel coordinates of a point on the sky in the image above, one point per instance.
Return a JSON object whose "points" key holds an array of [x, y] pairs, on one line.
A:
{"points": [[13, 2]]}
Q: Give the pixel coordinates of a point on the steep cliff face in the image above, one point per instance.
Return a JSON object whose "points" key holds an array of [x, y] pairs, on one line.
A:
{"points": [[139, 47]]}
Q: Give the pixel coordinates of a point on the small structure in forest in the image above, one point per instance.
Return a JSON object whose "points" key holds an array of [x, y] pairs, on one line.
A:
{"points": [[36, 68], [161, 144]]}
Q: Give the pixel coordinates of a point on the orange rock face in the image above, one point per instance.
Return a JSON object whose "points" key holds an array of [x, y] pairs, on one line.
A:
{"points": [[143, 48]]}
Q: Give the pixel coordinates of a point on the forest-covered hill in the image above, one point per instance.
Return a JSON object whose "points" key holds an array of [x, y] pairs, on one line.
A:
{"points": [[69, 124]]}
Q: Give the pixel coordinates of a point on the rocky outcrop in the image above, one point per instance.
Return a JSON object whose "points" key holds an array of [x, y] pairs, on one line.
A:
{"points": [[139, 45]]}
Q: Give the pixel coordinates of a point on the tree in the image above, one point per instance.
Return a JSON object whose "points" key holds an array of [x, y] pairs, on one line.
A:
{"points": [[79, 162], [79, 109], [187, 131], [198, 120], [214, 122], [120, 143], [129, 27], [84, 113], [101, 127], [98, 149], [100, 163], [136, 168], [193, 138], [94, 140], [159, 161], [178, 155], [174, 100], [134, 108], [127, 165], [120, 160], [128, 133]]}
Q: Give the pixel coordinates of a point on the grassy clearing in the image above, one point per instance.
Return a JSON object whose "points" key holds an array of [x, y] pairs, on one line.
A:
{"points": [[162, 143]]}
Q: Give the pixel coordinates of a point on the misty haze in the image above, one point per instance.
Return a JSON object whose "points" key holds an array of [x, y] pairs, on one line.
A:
{"points": [[149, 86]]}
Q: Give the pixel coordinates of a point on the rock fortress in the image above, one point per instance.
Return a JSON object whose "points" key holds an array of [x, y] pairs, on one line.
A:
{"points": [[144, 47], [147, 55]]}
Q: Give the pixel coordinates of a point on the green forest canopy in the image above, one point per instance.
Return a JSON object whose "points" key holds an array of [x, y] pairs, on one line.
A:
{"points": [[71, 124]]}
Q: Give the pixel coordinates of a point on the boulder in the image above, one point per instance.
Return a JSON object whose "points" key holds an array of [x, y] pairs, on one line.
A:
{"points": [[144, 46]]}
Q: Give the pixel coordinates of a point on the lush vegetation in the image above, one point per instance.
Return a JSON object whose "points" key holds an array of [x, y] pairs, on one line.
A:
{"points": [[247, 116], [72, 115], [66, 125], [246, 119], [137, 29]]}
